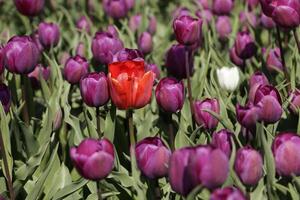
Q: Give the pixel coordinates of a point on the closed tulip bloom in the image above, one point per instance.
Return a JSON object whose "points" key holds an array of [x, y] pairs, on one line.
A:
{"points": [[49, 34], [223, 27], [252, 3], [188, 30], [235, 59], [227, 193], [94, 89], [268, 99], [267, 22], [21, 55], [57, 122], [152, 157], [154, 69], [115, 8], [248, 115], [295, 101], [248, 165], [128, 54], [83, 24], [5, 97], [130, 85], [39, 71], [222, 140], [104, 46], [169, 94], [244, 45], [135, 22], [36, 39], [75, 68], [80, 49], [228, 78], [273, 62], [285, 149], [130, 3], [145, 43], [258, 78], [222, 7], [93, 159], [152, 25], [175, 61], [29, 7], [112, 30], [181, 11], [204, 118]]}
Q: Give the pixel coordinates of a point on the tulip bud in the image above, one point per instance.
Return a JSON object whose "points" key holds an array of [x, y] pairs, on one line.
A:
{"points": [[94, 89], [223, 27], [38, 71], [21, 55], [222, 7], [128, 54], [248, 165], [135, 22], [222, 140], [188, 30], [56, 124], [5, 97], [152, 25], [145, 43], [83, 24], [2, 57], [274, 63], [285, 149], [295, 102], [29, 7], [235, 59], [152, 157], [75, 68], [115, 8], [49, 34], [244, 45], [258, 78], [93, 159], [104, 46], [227, 193], [169, 94], [287, 13], [228, 78], [267, 98], [176, 61], [267, 22], [154, 69], [248, 115], [204, 118], [113, 30], [80, 49]]}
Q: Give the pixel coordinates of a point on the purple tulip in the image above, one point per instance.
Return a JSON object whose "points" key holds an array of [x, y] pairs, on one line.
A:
{"points": [[83, 24], [169, 94], [267, 22], [75, 68], [204, 4], [227, 193], [295, 102], [222, 140], [258, 78], [113, 30], [248, 165], [248, 115], [5, 97], [93, 159], [115, 8], [128, 54], [235, 59], [39, 71], [130, 3], [188, 30], [252, 4], [175, 61], [36, 39], [152, 25], [80, 49], [244, 45], [2, 57], [285, 149], [21, 55], [152, 157], [222, 7], [273, 62], [154, 69], [57, 122], [135, 22], [181, 11], [94, 89], [248, 18], [49, 34], [223, 27], [204, 118], [206, 15], [29, 7], [104, 46], [145, 43]]}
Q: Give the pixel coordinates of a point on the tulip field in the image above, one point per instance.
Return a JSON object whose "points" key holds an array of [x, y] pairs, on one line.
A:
{"points": [[149, 99]]}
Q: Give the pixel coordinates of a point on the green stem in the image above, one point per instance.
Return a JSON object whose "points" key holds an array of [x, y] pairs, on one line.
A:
{"points": [[99, 192], [171, 131], [131, 128], [25, 93], [282, 54], [157, 190], [297, 39], [98, 122]]}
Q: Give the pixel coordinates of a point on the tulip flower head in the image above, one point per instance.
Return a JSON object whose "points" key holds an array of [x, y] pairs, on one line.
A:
{"points": [[222, 140], [274, 63], [222, 7], [145, 43], [244, 45], [5, 97], [115, 8], [128, 54], [235, 58], [228, 78], [295, 102], [223, 27], [75, 68], [38, 71], [49, 34], [227, 193], [29, 7]]}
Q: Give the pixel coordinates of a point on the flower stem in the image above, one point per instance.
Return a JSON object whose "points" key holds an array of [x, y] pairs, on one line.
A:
{"points": [[157, 190], [6, 169], [25, 111], [282, 54], [297, 39], [171, 131], [99, 192], [187, 69], [98, 122], [131, 128]]}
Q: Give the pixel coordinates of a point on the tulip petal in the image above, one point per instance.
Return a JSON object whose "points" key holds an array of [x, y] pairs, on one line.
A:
{"points": [[119, 93], [286, 17], [144, 90], [132, 68]]}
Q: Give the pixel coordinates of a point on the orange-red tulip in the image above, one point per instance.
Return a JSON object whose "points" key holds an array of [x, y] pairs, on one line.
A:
{"points": [[130, 85]]}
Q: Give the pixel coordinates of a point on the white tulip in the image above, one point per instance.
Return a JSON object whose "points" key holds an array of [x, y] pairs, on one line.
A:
{"points": [[228, 78]]}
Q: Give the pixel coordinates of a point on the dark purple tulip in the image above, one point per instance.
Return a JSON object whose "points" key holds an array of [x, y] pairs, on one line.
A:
{"points": [[188, 30], [273, 62], [248, 165], [222, 7], [175, 61], [248, 115], [2, 57], [93, 159], [21, 55], [258, 78], [104, 46], [222, 140], [152, 157], [128, 54], [267, 22], [113, 30], [268, 6], [206, 15], [75, 68], [135, 22], [38, 71], [181, 11], [115, 8], [49, 34], [29, 7], [244, 45], [5, 97], [223, 27], [94, 89], [235, 59], [169, 94], [295, 102], [204, 118], [83, 24], [268, 99], [145, 43], [286, 147], [152, 25], [248, 18], [154, 69], [227, 193], [130, 3], [80, 49]]}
